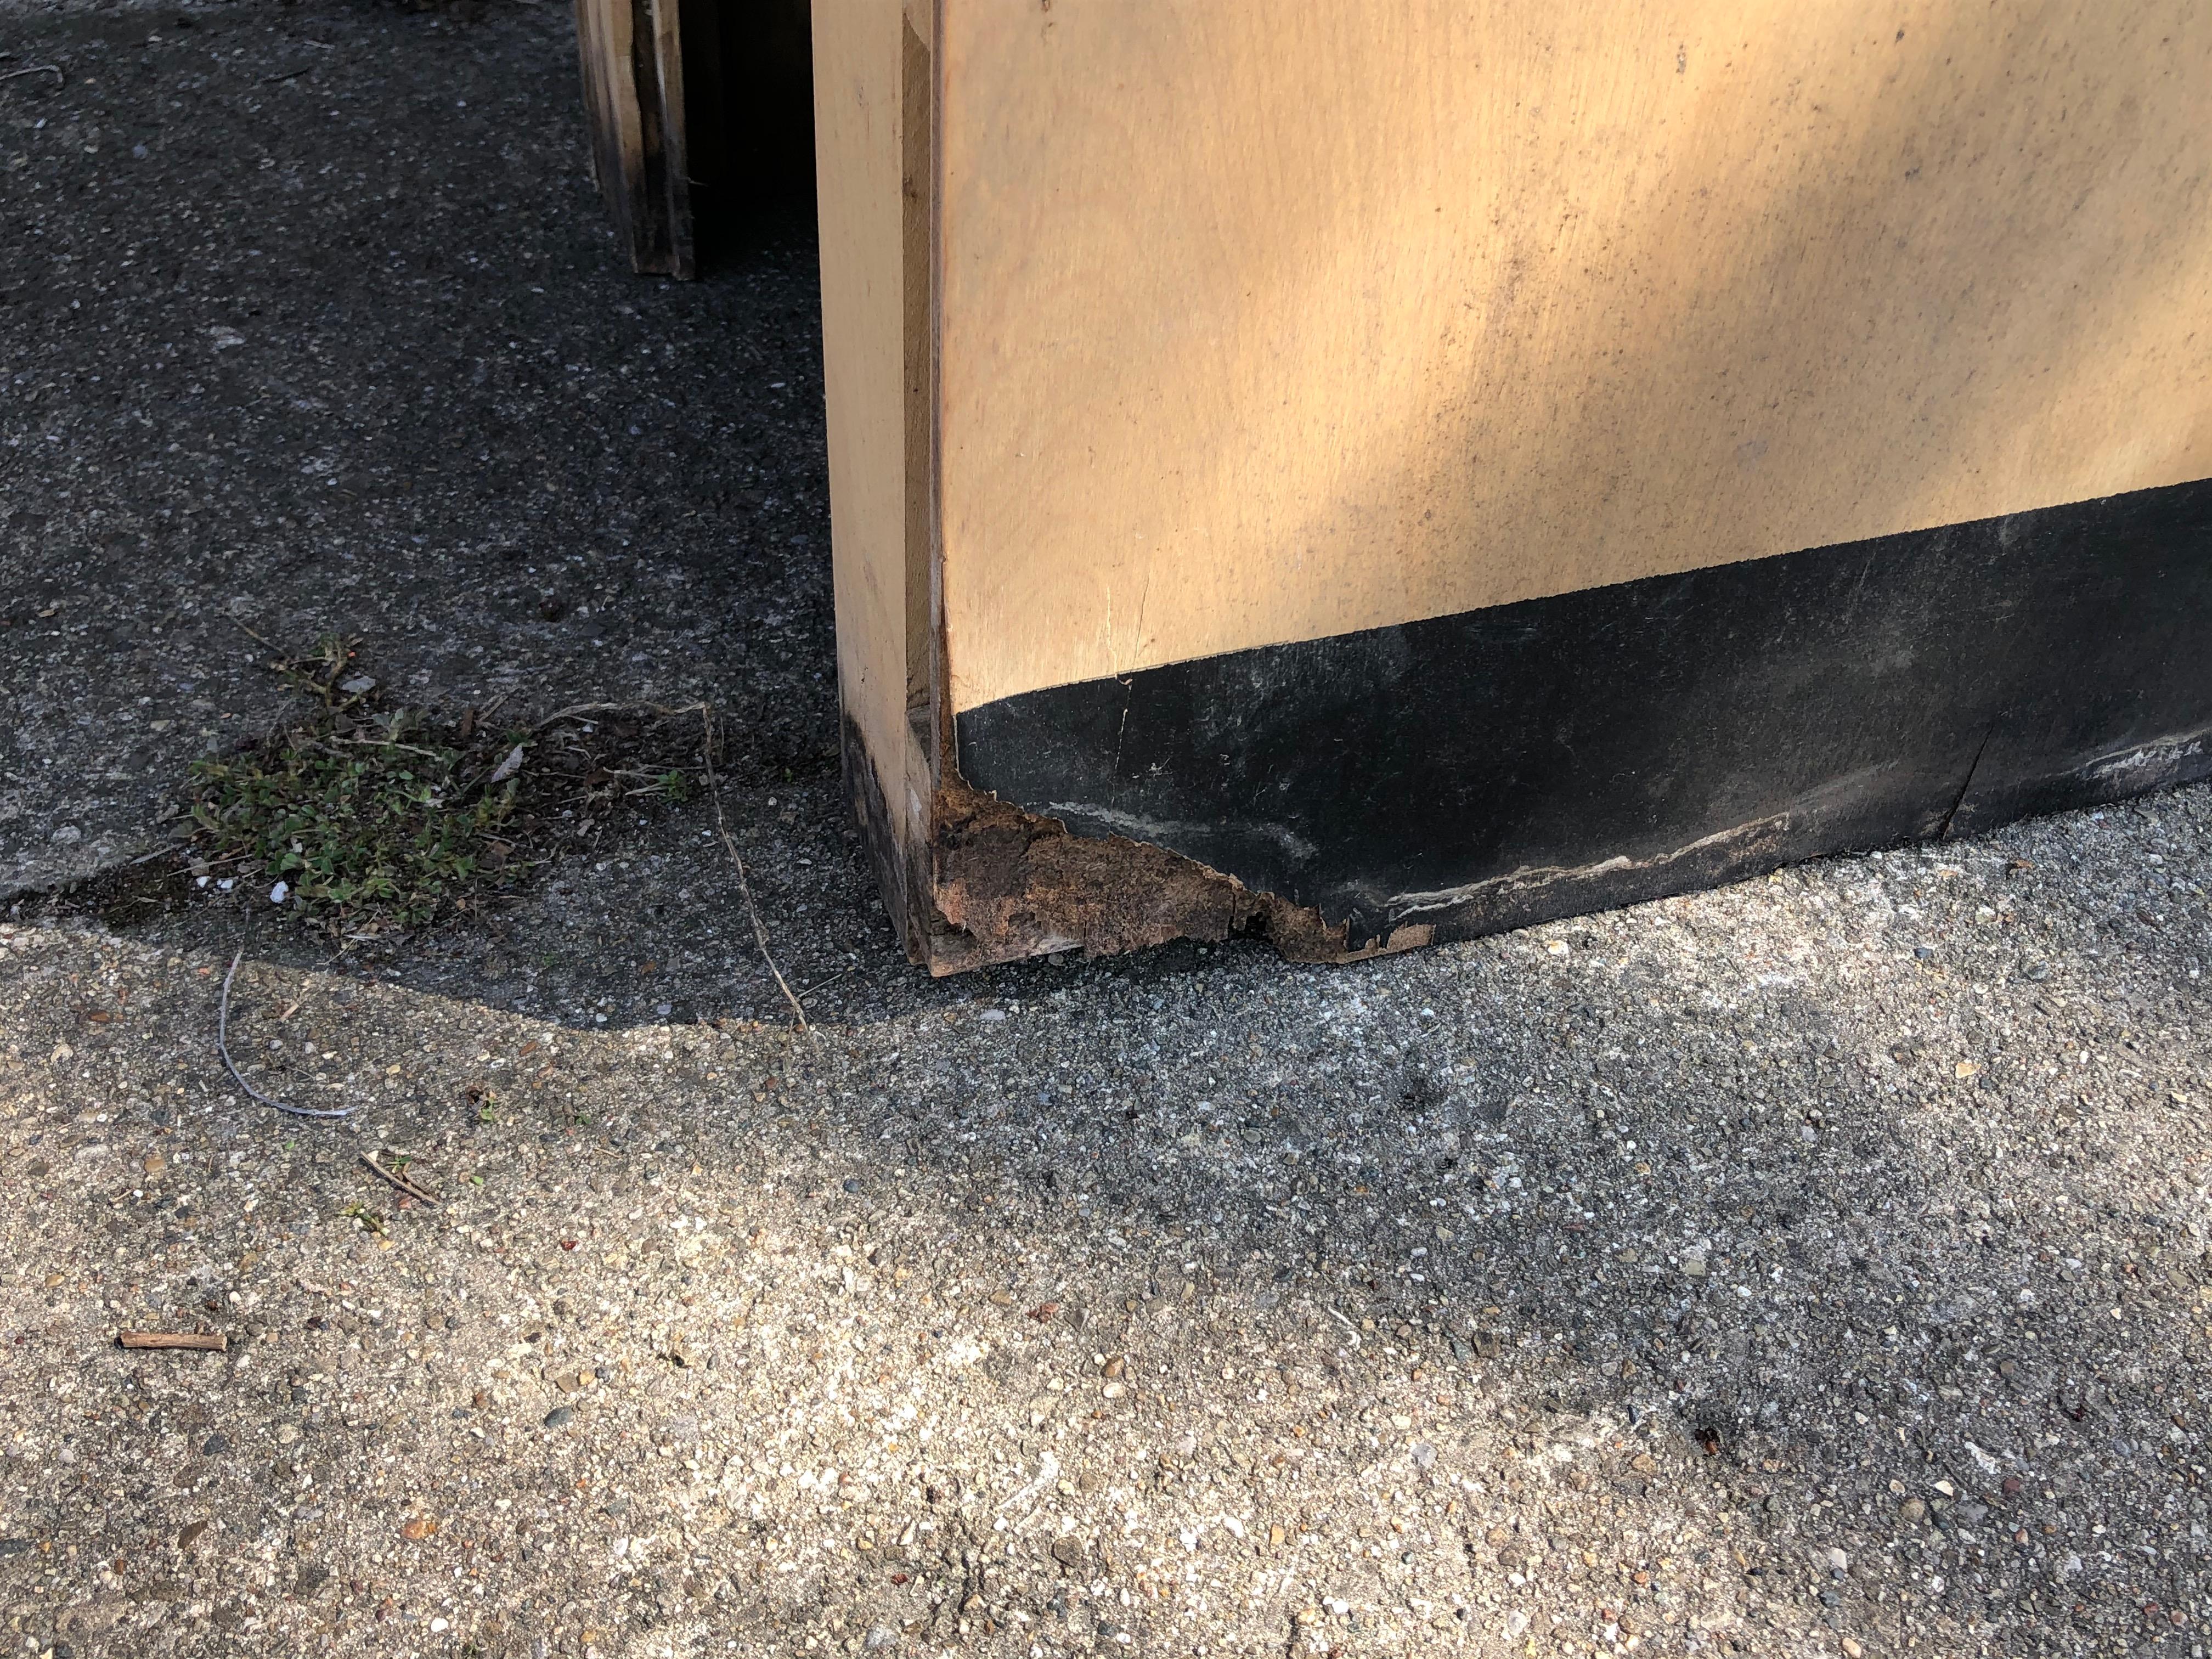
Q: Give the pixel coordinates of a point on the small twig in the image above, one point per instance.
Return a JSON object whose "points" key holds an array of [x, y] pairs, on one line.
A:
{"points": [[706, 714], [824, 984], [288, 75], [222, 1047], [384, 742], [576, 711], [207, 1341], [248, 632], [53, 69], [398, 1180], [745, 887]]}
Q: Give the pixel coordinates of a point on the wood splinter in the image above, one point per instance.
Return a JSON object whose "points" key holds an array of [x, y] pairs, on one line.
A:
{"points": [[210, 1341]]}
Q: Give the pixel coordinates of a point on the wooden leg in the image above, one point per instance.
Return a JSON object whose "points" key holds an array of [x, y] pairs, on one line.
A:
{"points": [[634, 97]]}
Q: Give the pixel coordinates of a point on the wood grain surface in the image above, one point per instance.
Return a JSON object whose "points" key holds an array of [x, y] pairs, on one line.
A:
{"points": [[1262, 320]]}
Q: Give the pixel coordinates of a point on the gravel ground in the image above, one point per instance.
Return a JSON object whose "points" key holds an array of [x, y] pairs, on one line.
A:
{"points": [[349, 353], [1814, 1267]]}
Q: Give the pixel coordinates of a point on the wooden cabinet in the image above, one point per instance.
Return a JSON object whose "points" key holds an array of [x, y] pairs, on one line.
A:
{"points": [[1375, 473]]}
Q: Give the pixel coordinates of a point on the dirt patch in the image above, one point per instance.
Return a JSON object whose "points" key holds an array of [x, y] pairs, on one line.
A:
{"points": [[361, 816]]}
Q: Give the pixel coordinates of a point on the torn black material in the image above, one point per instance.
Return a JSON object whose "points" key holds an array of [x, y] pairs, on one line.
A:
{"points": [[1486, 771]]}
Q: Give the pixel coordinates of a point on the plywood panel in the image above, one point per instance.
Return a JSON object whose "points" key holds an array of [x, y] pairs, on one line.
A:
{"points": [[872, 118], [1264, 320]]}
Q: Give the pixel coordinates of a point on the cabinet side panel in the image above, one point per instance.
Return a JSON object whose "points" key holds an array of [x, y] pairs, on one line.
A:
{"points": [[1270, 320], [861, 73]]}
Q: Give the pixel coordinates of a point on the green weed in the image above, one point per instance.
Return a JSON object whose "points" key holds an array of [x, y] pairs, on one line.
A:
{"points": [[363, 815], [379, 820]]}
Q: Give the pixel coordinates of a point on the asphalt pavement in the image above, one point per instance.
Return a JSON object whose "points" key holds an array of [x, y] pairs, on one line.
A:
{"points": [[1812, 1266]]}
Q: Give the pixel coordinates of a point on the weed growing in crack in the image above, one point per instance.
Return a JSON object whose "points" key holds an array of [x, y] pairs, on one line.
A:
{"points": [[363, 814], [368, 820]]}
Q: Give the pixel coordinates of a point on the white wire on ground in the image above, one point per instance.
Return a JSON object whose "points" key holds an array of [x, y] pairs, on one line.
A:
{"points": [[222, 1047], [745, 887]]}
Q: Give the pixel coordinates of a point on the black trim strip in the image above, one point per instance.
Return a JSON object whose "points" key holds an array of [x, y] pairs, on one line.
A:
{"points": [[1486, 771]]}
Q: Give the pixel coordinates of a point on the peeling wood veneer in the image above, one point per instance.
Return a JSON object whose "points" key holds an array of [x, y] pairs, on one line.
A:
{"points": [[1011, 883]]}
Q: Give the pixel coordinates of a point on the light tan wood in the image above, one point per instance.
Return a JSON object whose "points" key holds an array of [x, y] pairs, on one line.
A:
{"points": [[872, 144], [1267, 319], [201, 1341]]}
